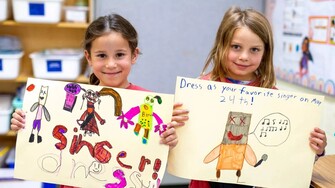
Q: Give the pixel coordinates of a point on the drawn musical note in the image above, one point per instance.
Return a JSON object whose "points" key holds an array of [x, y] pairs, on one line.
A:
{"points": [[283, 122], [262, 134], [276, 126], [281, 128], [267, 120]]}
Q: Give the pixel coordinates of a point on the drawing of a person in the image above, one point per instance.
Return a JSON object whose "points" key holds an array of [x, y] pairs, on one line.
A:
{"points": [[87, 120], [306, 56], [234, 148], [146, 117], [40, 106]]}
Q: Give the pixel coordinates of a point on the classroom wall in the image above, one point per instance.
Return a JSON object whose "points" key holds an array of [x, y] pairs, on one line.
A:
{"points": [[175, 36]]}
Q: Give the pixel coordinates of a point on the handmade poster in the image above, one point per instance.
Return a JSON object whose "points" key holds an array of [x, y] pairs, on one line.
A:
{"points": [[304, 37], [92, 136], [245, 135]]}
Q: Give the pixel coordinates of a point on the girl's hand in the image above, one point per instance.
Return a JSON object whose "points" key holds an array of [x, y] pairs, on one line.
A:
{"points": [[18, 121], [169, 137], [318, 140], [179, 115]]}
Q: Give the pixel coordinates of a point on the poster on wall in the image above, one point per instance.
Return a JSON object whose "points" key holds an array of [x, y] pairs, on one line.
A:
{"points": [[304, 33], [92, 136], [245, 135]]}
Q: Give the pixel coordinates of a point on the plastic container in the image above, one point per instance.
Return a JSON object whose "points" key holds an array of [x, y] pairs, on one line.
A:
{"points": [[42, 11], [10, 56], [6, 110], [76, 14], [10, 44], [57, 64], [10, 65], [3, 10]]}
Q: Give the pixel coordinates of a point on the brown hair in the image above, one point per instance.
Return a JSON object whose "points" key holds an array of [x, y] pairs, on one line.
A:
{"points": [[106, 24], [233, 19]]}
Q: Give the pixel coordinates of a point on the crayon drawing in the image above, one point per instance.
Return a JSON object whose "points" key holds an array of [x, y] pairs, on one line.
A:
{"points": [[245, 135], [234, 147], [145, 118], [41, 110], [87, 142]]}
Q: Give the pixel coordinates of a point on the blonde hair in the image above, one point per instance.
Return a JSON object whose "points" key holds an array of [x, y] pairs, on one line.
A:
{"points": [[233, 19]]}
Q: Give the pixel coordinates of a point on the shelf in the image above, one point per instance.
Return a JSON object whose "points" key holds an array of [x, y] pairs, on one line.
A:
{"points": [[8, 139], [23, 79], [9, 134], [57, 25], [36, 37]]}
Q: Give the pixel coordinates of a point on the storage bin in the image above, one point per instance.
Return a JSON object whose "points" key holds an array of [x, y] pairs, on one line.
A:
{"points": [[3, 10], [10, 44], [42, 11], [53, 64], [10, 65], [6, 110], [76, 14], [10, 56]]}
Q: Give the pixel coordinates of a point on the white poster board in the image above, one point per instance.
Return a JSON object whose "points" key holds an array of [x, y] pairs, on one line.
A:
{"points": [[84, 135], [233, 125]]}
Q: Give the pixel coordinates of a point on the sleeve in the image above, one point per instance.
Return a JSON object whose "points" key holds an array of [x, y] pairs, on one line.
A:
{"points": [[198, 184]]}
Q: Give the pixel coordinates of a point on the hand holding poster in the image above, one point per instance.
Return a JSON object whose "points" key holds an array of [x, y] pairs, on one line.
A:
{"points": [[92, 136], [245, 135]]}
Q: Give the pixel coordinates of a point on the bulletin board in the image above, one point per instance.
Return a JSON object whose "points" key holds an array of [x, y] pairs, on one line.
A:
{"points": [[304, 33]]}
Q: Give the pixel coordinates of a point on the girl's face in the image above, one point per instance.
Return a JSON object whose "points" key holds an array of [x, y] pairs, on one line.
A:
{"points": [[111, 60], [245, 55]]}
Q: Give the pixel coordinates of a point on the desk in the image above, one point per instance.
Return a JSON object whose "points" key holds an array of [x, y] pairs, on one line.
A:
{"points": [[324, 172]]}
